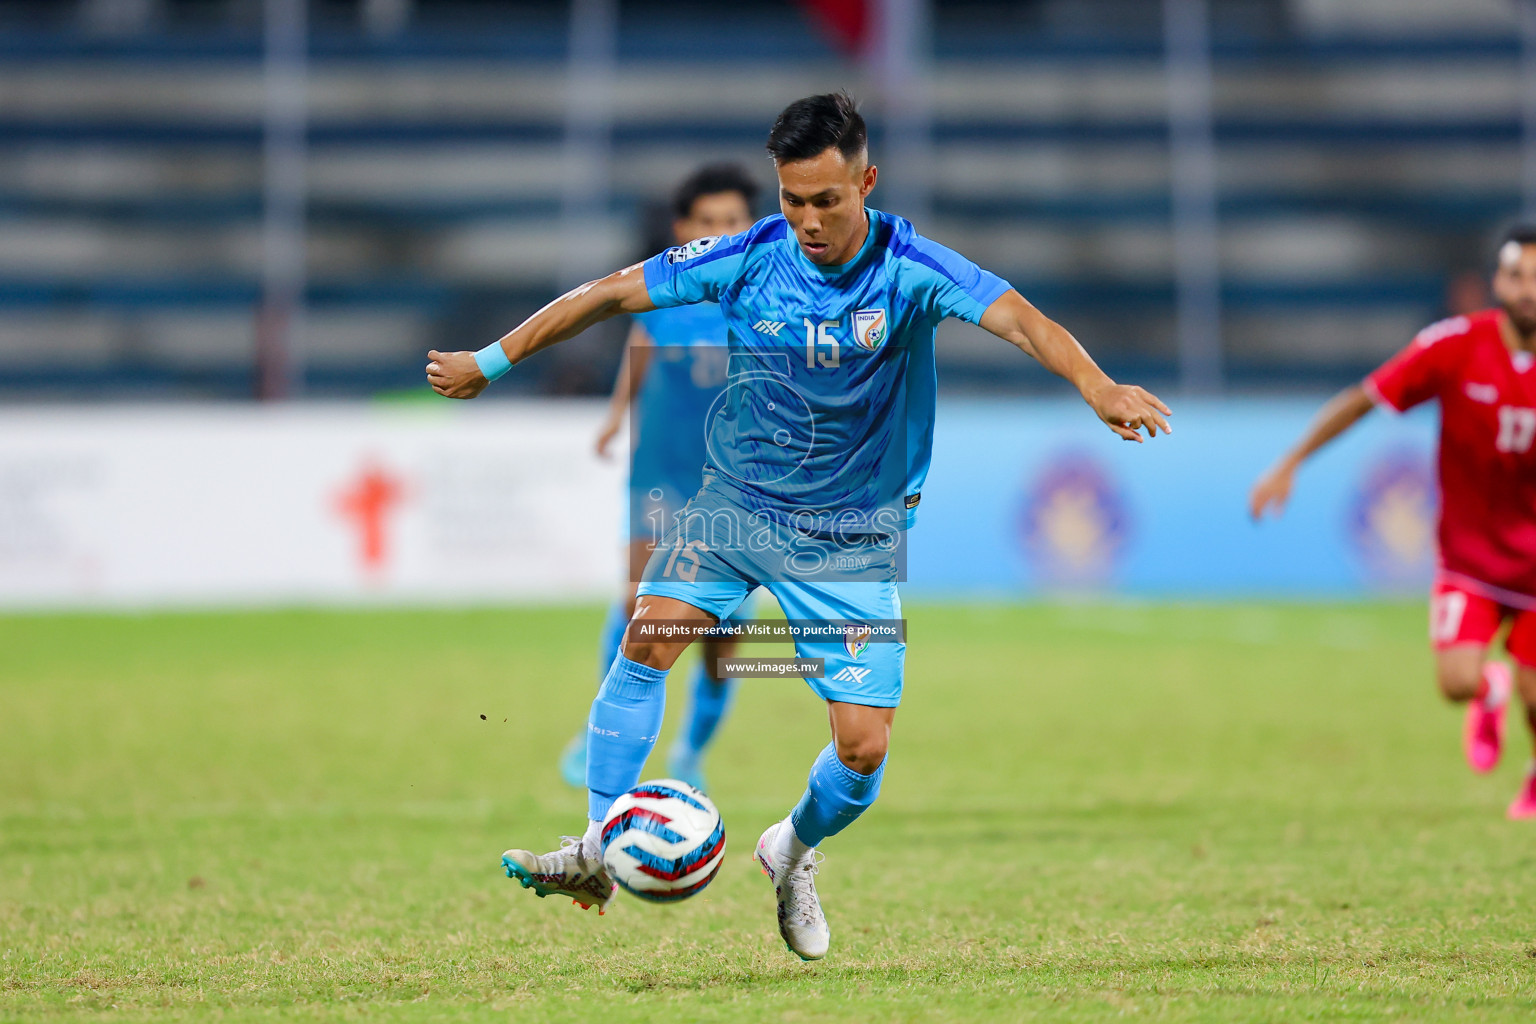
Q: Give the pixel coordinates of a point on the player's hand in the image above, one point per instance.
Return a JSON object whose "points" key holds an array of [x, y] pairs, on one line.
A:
{"points": [[1127, 409], [1272, 491], [605, 436], [455, 374]]}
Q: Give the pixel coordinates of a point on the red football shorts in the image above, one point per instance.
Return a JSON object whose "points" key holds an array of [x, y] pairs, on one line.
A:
{"points": [[1457, 616]]}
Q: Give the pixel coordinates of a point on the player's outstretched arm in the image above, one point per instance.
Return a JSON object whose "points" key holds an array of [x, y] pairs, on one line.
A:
{"points": [[1343, 410], [1124, 408], [632, 368], [464, 374]]}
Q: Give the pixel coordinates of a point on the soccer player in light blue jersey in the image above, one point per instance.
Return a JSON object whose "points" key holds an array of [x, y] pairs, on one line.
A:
{"points": [[818, 453], [672, 372]]}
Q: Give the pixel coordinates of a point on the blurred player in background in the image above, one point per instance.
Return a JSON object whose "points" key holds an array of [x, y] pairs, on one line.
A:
{"points": [[1480, 369], [672, 371], [817, 461]]}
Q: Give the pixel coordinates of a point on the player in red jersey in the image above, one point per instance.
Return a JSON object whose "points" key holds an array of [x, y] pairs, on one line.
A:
{"points": [[1482, 370]]}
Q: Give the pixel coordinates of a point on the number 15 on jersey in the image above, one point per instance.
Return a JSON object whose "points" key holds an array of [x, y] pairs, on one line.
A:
{"points": [[821, 346]]}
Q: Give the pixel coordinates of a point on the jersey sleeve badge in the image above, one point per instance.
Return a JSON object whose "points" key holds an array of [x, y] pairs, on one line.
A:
{"points": [[697, 247]]}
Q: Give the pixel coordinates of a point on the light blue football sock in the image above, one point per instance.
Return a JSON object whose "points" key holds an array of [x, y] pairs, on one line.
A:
{"points": [[622, 730], [835, 795], [708, 701]]}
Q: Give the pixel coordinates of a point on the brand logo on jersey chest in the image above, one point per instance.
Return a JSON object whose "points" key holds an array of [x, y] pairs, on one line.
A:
{"points": [[1484, 393], [769, 327], [870, 328]]}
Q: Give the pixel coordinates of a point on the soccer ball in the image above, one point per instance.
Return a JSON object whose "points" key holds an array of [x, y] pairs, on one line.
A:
{"points": [[663, 841]]}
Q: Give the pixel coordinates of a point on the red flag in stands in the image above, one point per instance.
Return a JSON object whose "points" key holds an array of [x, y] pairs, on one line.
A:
{"points": [[847, 23]]}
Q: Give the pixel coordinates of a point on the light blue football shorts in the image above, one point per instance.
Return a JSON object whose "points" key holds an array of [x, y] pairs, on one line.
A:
{"points": [[717, 553]]}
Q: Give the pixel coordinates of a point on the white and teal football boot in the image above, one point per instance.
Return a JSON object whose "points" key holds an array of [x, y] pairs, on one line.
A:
{"points": [[563, 872]]}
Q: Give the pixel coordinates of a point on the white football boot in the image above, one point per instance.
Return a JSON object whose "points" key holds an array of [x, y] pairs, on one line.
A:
{"points": [[801, 922], [564, 872]]}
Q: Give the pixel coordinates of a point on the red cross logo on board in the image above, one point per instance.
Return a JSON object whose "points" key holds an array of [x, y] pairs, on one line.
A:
{"points": [[366, 504]]}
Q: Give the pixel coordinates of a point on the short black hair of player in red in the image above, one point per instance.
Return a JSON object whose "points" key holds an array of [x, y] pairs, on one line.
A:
{"points": [[1525, 234], [712, 180], [811, 126]]}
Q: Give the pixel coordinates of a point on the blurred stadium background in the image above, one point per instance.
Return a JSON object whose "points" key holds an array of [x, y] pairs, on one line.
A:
{"points": [[233, 228]]}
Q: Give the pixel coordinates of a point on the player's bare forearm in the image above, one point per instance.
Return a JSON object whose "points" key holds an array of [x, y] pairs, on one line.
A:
{"points": [[458, 375], [1341, 412], [1273, 489], [618, 400], [578, 309], [1124, 408], [637, 362], [632, 367]]}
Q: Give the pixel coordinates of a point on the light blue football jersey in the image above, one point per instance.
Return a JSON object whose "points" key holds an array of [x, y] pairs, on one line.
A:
{"points": [[684, 376], [826, 420]]}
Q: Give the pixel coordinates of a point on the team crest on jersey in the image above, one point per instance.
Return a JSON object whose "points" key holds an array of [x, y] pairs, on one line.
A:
{"points": [[869, 328], [697, 247], [855, 639]]}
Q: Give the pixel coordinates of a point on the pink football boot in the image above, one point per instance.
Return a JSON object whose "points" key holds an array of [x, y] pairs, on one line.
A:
{"points": [[1524, 805], [1483, 735]]}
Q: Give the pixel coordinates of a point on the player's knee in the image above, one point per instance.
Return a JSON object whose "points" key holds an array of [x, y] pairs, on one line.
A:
{"points": [[1525, 684], [1459, 682], [651, 653], [710, 657], [862, 754]]}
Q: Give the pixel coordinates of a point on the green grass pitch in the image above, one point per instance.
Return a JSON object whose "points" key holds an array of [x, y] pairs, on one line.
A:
{"points": [[1244, 812]]}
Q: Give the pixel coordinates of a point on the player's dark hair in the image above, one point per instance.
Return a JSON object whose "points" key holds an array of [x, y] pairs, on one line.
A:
{"points": [[712, 180], [1525, 234], [811, 126]]}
